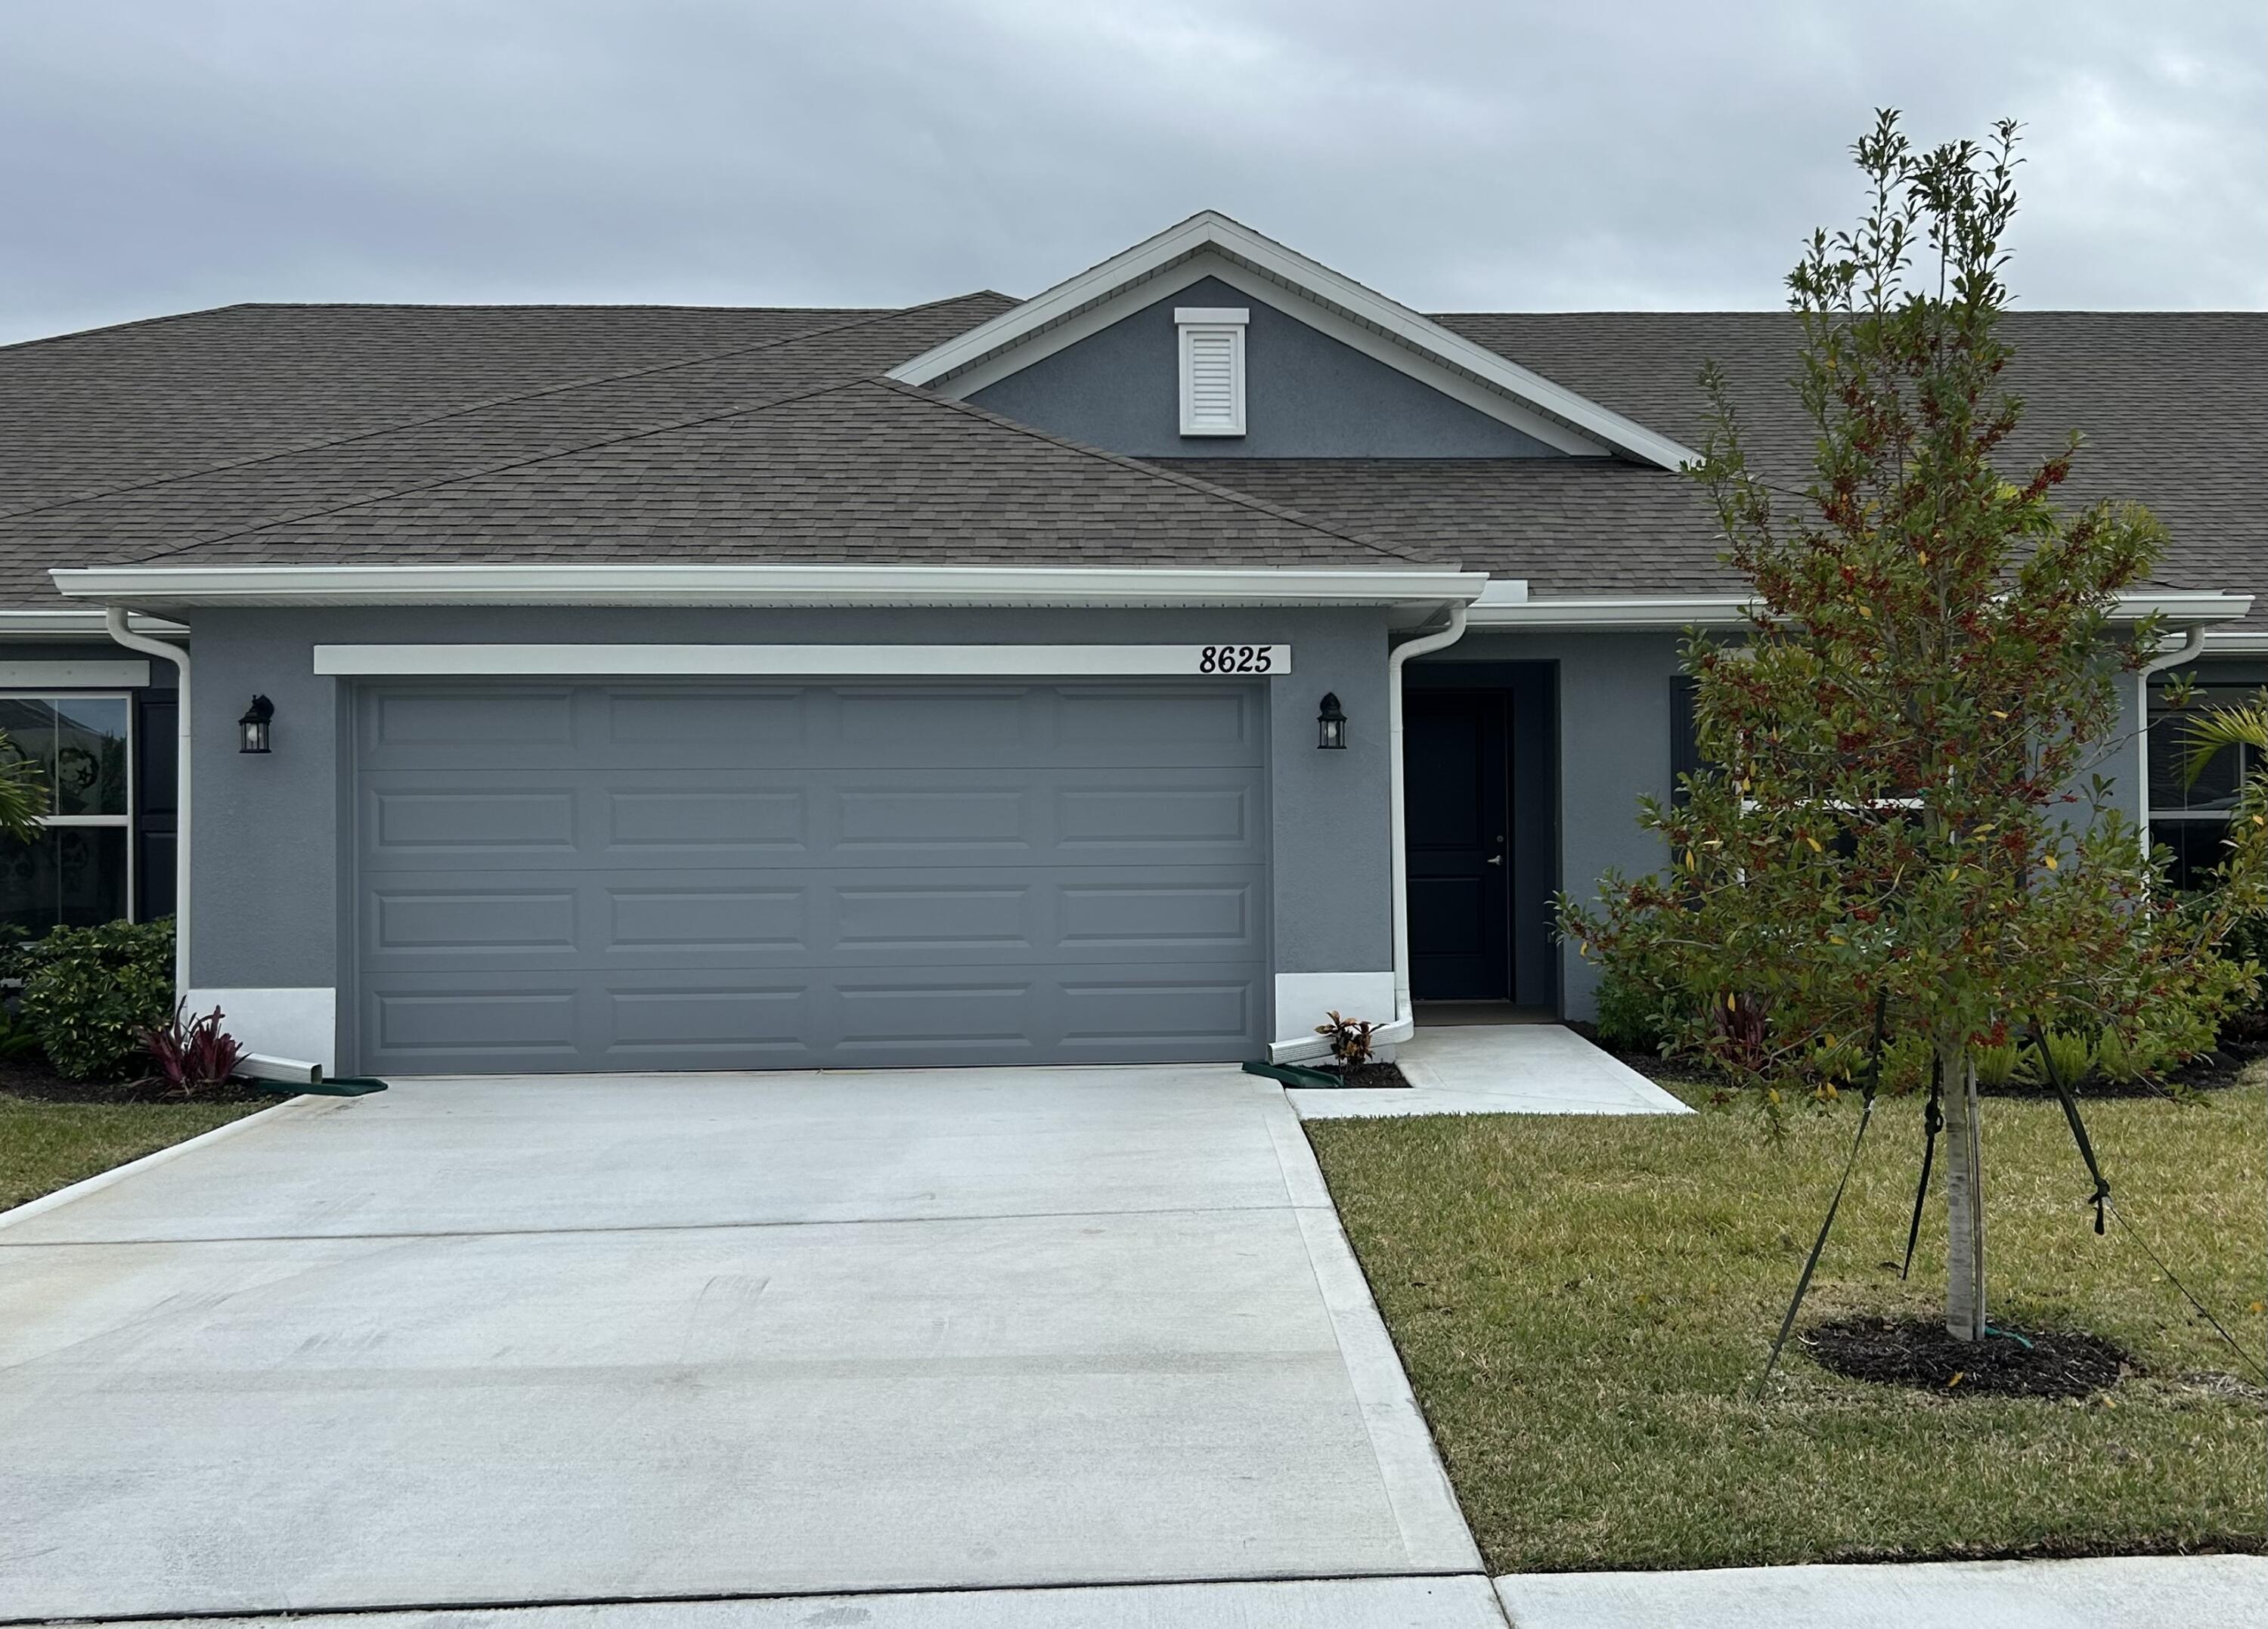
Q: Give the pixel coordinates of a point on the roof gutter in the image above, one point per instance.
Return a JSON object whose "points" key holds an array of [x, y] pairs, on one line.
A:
{"points": [[1639, 612], [677, 584], [76, 622]]}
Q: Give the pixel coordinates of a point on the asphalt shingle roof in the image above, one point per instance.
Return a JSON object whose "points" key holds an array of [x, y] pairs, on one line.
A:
{"points": [[419, 433], [2174, 407], [779, 440]]}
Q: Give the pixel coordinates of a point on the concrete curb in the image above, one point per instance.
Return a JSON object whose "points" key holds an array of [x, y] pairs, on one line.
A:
{"points": [[100, 1180]]}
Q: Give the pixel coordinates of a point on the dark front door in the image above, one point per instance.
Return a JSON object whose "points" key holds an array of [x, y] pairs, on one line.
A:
{"points": [[1458, 824]]}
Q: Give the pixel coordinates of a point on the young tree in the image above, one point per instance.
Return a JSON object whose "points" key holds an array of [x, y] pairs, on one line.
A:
{"points": [[1895, 822]]}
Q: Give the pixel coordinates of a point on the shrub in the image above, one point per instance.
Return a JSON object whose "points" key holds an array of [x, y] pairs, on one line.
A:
{"points": [[2072, 1052], [193, 1055], [1905, 1064], [1630, 1018], [89, 994], [1997, 1066]]}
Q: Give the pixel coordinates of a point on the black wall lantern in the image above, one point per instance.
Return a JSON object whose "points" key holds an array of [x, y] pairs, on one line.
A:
{"points": [[252, 729], [1330, 724]]}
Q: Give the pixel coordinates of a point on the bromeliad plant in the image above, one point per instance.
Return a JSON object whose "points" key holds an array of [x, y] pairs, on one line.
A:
{"points": [[1900, 834], [192, 1055]]}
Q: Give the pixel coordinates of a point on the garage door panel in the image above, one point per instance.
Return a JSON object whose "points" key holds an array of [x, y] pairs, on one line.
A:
{"points": [[1138, 1009], [448, 1027], [473, 921], [466, 725], [704, 915], [429, 819], [769, 1023], [719, 820], [1028, 897]]}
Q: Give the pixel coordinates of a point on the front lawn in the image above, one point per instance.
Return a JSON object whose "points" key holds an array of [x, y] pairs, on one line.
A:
{"points": [[47, 1146], [1584, 1303]]}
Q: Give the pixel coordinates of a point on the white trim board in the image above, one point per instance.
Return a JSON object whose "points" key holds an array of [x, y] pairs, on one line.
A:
{"points": [[75, 675], [794, 660], [671, 583], [1390, 325], [2182, 606], [280, 1024]]}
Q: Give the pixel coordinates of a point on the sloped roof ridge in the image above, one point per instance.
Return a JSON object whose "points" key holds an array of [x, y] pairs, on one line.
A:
{"points": [[548, 455], [536, 394], [749, 409], [1242, 500], [158, 321]]}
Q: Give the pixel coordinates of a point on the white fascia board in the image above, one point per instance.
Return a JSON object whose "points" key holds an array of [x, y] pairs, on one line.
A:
{"points": [[1639, 611], [1629, 612], [77, 623], [1260, 660], [1361, 307], [612, 583], [1325, 321], [2235, 641]]}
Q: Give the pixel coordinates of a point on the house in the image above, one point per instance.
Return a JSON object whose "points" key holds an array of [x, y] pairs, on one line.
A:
{"points": [[988, 681]]}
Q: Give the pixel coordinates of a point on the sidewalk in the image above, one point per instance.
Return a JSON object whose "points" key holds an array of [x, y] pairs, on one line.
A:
{"points": [[2120, 1592]]}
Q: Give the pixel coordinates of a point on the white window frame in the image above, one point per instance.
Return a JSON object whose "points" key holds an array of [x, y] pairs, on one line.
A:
{"points": [[1229, 321], [132, 770]]}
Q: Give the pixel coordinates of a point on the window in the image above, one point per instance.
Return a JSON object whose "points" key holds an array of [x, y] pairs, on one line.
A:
{"points": [[1212, 370], [2192, 820], [78, 871]]}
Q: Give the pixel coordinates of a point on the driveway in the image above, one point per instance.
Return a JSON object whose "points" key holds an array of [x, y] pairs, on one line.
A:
{"points": [[623, 1338]]}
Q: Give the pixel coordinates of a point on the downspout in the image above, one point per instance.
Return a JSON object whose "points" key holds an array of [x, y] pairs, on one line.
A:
{"points": [[2191, 648], [1404, 1019], [113, 620]]}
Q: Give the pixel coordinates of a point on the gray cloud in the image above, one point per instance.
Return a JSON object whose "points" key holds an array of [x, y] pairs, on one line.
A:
{"points": [[1454, 153]]}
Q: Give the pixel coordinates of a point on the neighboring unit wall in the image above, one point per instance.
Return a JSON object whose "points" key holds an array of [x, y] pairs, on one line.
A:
{"points": [[1307, 395], [31, 666], [270, 873]]}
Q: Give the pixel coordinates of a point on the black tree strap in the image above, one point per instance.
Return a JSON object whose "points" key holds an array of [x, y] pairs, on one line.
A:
{"points": [[1932, 1121], [2102, 1201], [2101, 1195], [1818, 1245]]}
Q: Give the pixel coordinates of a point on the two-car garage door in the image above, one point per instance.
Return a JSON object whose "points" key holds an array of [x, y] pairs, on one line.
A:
{"points": [[641, 876]]}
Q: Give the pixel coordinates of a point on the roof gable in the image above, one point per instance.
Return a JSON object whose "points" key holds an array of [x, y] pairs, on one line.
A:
{"points": [[1211, 245]]}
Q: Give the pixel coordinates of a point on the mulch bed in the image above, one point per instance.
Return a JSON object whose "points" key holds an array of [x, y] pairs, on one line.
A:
{"points": [[2216, 1071], [1919, 1353], [1368, 1075], [33, 1077]]}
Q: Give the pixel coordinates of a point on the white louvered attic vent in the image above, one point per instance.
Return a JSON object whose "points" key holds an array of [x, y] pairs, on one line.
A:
{"points": [[1212, 370]]}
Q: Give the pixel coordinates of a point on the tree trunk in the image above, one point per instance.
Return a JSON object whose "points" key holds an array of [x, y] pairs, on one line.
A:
{"points": [[1964, 1201]]}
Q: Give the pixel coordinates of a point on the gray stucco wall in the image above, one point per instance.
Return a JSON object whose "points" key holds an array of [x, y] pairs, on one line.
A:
{"points": [[268, 875], [1615, 747], [1307, 395], [1614, 712]]}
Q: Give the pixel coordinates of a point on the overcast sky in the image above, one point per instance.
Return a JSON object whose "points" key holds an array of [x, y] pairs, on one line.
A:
{"points": [[1456, 154]]}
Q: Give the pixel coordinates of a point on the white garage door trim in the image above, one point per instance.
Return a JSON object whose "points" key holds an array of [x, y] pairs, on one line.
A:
{"points": [[1244, 660]]}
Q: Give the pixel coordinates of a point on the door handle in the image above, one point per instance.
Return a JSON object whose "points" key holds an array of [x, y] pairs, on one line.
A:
{"points": [[1495, 860]]}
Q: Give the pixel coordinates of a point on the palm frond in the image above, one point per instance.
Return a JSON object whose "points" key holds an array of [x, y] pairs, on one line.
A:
{"points": [[23, 794], [2216, 730]]}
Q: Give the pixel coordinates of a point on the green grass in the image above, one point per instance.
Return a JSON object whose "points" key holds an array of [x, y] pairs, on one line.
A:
{"points": [[44, 1146], [1584, 1306]]}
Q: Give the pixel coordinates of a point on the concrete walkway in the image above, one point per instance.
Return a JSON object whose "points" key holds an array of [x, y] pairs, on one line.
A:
{"points": [[642, 1339], [2129, 1592], [1499, 1069]]}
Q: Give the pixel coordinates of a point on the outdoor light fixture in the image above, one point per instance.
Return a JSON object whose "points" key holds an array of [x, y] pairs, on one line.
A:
{"points": [[1330, 724], [252, 729]]}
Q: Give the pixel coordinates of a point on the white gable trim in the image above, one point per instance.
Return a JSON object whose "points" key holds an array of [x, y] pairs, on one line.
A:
{"points": [[1211, 243]]}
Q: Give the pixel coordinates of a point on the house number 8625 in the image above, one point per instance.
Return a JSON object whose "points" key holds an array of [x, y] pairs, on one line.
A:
{"points": [[1236, 658]]}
